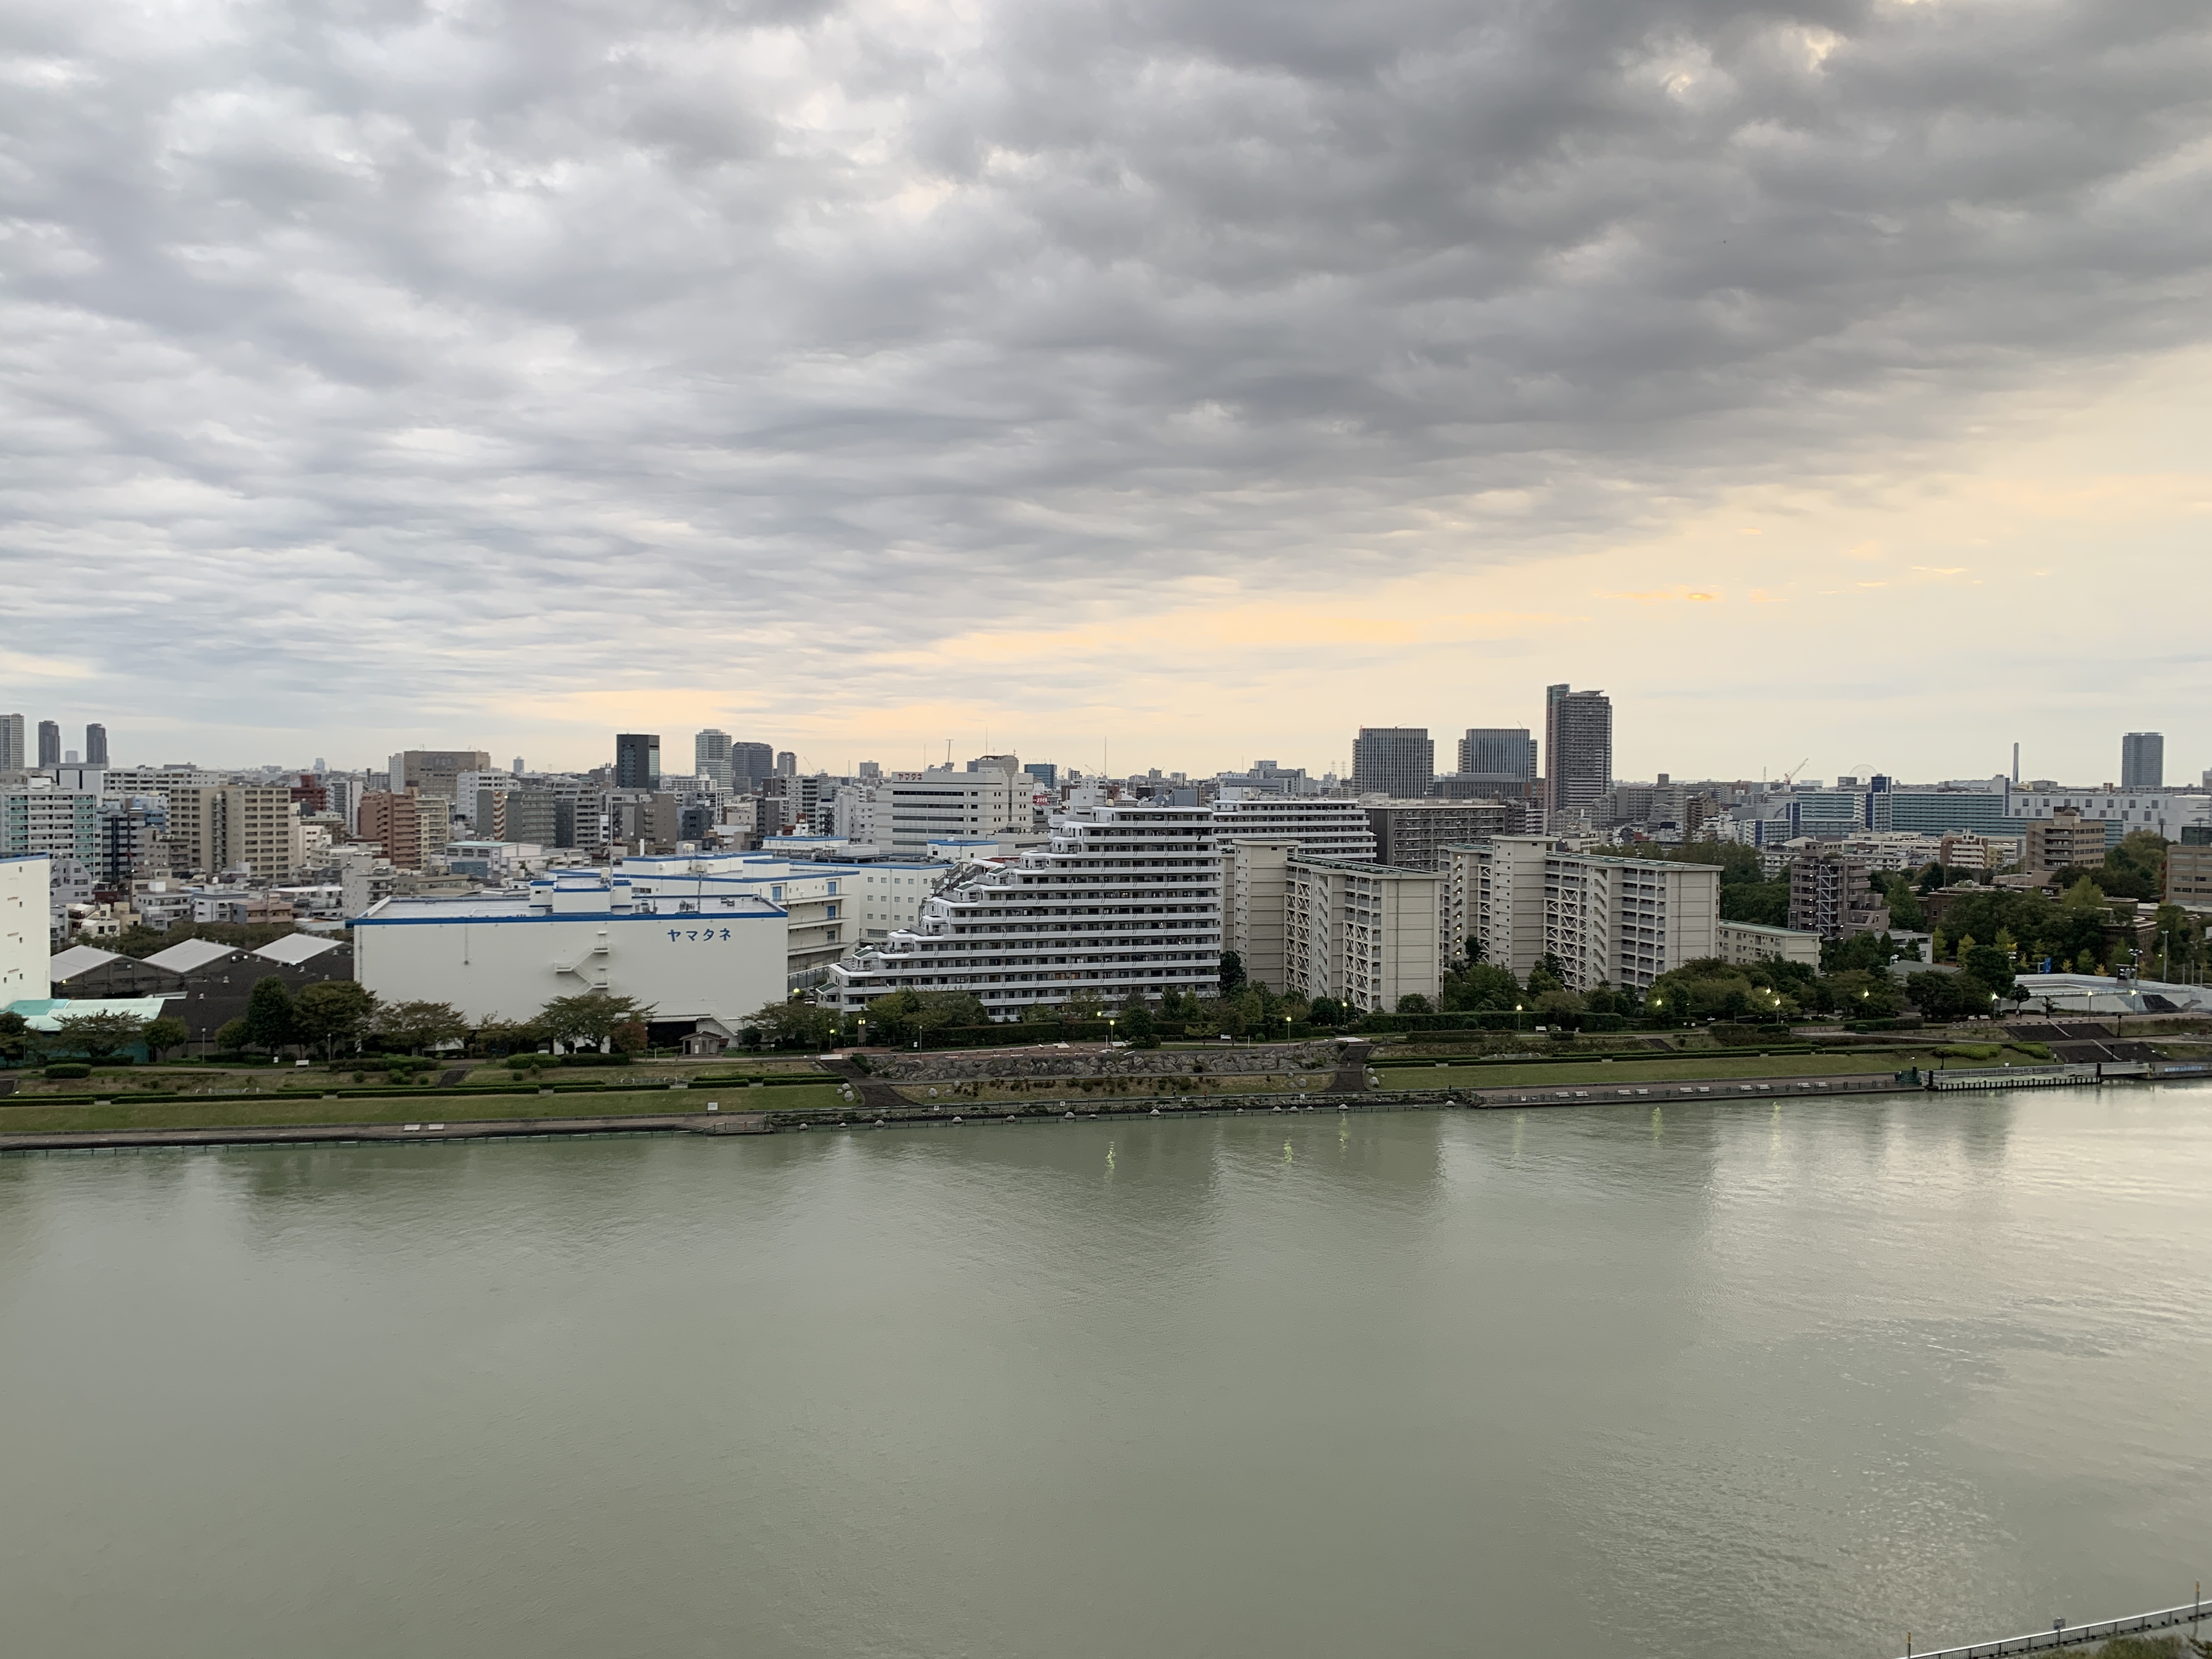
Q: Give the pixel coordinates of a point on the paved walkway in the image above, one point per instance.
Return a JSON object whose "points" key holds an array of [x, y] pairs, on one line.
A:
{"points": [[1851, 1083], [702, 1123]]}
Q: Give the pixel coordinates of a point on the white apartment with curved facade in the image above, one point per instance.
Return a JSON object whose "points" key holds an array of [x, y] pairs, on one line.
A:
{"points": [[1124, 899]]}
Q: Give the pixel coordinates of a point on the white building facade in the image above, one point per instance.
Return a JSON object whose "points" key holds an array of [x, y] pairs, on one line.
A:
{"points": [[1326, 828], [502, 956], [1124, 899], [25, 938]]}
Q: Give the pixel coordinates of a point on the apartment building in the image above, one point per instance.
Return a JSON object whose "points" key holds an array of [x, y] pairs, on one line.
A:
{"points": [[2064, 840], [1578, 748], [1415, 835], [24, 927], [412, 828], [435, 771], [1363, 935], [1255, 880], [235, 826], [1123, 900], [61, 824], [1328, 828], [1835, 897], [1608, 921], [1749, 942]]}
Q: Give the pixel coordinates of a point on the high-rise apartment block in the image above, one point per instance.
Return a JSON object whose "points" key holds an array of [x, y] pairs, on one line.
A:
{"points": [[710, 757], [1125, 900], [1363, 935], [1398, 761], [637, 760], [54, 823], [218, 827], [1417, 835], [787, 764], [2142, 761], [1578, 748], [12, 757], [1606, 920], [49, 744], [95, 746], [1328, 828]]}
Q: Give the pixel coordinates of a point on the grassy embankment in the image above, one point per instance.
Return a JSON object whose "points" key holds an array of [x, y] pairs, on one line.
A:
{"points": [[1124, 1088], [428, 1105]]}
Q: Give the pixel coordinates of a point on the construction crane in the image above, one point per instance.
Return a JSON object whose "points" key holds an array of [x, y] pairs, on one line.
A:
{"points": [[1791, 776]]}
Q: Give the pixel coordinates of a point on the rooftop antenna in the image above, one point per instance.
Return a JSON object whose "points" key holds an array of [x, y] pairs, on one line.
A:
{"points": [[2015, 765]]}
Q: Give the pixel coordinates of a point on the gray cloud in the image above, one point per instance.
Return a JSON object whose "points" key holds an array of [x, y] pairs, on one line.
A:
{"points": [[367, 359]]}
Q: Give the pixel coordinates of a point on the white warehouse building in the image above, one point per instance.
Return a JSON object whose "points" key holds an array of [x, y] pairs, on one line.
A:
{"points": [[710, 958]]}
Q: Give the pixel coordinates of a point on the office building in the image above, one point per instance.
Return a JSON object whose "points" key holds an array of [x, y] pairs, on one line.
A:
{"points": [[2142, 761], [706, 963], [133, 839], [1266, 778], [435, 771], [787, 765], [1578, 748], [95, 746], [1748, 942], [1328, 828], [1835, 898], [1044, 772], [637, 760], [750, 764], [1415, 835], [26, 938], [1363, 935], [710, 757], [1501, 751], [912, 808], [1124, 901], [2064, 840], [1397, 760], [1608, 921], [12, 756], [50, 744]]}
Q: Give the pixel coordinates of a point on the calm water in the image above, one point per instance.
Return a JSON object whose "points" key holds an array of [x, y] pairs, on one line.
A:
{"points": [[1739, 1380]]}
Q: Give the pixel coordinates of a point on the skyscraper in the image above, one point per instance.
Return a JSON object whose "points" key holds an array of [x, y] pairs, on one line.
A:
{"points": [[95, 746], [1503, 752], [710, 756], [11, 744], [637, 760], [749, 764], [1577, 747], [1397, 760], [49, 743], [2142, 761], [787, 765]]}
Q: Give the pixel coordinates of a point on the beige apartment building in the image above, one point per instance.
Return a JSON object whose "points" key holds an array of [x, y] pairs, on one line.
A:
{"points": [[1606, 920], [1254, 879], [1365, 934], [214, 827], [2064, 840]]}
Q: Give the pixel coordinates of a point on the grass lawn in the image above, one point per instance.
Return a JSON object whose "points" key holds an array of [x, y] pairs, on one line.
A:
{"points": [[428, 1106], [1136, 1088], [1630, 1074]]}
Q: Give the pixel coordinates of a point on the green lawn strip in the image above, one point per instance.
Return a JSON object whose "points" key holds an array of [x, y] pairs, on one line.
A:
{"points": [[1688, 1068], [426, 1107], [1138, 1088]]}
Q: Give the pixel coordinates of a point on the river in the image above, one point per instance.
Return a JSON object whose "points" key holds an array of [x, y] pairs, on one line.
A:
{"points": [[1720, 1379]]}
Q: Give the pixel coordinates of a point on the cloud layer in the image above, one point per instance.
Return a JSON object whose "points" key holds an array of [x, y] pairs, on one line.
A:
{"points": [[462, 371]]}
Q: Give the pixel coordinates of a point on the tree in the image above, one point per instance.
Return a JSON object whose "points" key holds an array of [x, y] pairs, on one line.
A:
{"points": [[1135, 1026], [2136, 868], [99, 1037], [230, 1036], [164, 1034], [1991, 967], [1868, 950], [630, 1038], [797, 1023], [15, 1039], [1414, 1003], [270, 1023], [333, 1013], [1766, 902], [414, 1026], [589, 1016], [1480, 985], [1232, 972], [1327, 1013]]}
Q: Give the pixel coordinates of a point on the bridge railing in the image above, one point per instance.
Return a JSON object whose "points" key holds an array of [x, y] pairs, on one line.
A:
{"points": [[2063, 1635]]}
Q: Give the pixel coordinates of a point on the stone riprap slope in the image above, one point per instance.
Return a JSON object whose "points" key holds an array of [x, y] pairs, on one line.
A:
{"points": [[996, 1066]]}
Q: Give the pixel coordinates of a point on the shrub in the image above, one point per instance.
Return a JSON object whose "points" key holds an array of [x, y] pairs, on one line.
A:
{"points": [[69, 1070]]}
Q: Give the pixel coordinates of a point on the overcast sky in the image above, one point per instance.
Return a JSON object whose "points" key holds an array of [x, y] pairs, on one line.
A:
{"points": [[1203, 378]]}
